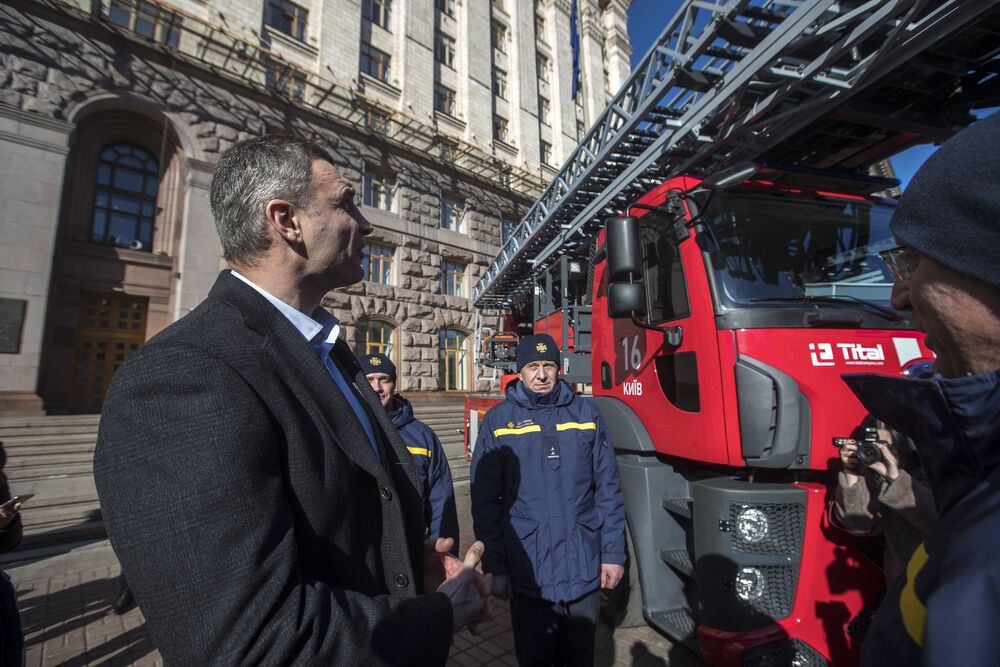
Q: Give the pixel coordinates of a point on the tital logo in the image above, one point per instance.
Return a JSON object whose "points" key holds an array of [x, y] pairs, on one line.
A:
{"points": [[851, 354]]}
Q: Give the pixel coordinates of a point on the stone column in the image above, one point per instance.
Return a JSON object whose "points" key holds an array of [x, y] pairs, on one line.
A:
{"points": [[33, 153], [200, 257]]}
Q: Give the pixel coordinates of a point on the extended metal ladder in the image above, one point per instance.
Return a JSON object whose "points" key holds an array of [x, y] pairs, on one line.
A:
{"points": [[813, 83]]}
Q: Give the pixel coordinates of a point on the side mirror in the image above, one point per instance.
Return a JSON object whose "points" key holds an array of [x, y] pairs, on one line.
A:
{"points": [[626, 300], [621, 235]]}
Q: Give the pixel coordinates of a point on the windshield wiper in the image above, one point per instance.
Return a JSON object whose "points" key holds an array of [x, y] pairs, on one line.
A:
{"points": [[841, 299]]}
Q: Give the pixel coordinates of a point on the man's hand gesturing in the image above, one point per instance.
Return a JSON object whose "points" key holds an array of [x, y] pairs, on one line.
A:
{"points": [[467, 588]]}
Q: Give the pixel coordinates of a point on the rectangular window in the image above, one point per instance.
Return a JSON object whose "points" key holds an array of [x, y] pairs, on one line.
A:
{"points": [[285, 80], [581, 129], [500, 129], [500, 83], [444, 99], [449, 150], [544, 111], [374, 62], [377, 11], [542, 67], [445, 7], [147, 19], [540, 27], [288, 17], [379, 190], [451, 214], [498, 36], [452, 278], [444, 49], [378, 264], [546, 153], [507, 225], [377, 121]]}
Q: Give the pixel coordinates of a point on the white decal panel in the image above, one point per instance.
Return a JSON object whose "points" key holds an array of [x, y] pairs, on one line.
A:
{"points": [[848, 354]]}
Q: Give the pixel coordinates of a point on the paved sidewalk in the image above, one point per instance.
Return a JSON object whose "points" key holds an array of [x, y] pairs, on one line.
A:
{"points": [[65, 596]]}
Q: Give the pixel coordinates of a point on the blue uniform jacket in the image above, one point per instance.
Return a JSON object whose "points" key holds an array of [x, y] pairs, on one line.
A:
{"points": [[943, 610], [546, 497], [432, 464]]}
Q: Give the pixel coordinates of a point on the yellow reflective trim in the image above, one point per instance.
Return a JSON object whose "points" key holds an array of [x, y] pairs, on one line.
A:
{"points": [[581, 426], [914, 611], [419, 450], [531, 428]]}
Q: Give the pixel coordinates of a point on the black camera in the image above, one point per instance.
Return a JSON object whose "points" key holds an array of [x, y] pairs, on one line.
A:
{"points": [[868, 450]]}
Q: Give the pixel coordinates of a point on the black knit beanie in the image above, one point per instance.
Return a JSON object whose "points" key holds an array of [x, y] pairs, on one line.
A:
{"points": [[378, 363], [538, 347], [951, 209]]}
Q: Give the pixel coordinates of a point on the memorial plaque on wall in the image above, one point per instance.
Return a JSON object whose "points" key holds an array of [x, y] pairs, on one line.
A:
{"points": [[11, 323]]}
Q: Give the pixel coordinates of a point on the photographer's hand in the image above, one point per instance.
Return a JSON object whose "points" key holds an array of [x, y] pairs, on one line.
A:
{"points": [[848, 456], [888, 467]]}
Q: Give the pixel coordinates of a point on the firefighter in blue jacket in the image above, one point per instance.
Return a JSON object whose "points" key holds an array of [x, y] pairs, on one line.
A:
{"points": [[547, 502], [425, 448]]}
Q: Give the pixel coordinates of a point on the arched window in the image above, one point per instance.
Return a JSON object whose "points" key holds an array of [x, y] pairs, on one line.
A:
{"points": [[378, 337], [125, 197], [454, 360]]}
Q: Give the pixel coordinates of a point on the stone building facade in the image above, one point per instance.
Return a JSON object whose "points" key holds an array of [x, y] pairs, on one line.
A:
{"points": [[113, 112]]}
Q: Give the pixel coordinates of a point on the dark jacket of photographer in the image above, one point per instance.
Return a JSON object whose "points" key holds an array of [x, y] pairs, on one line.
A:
{"points": [[901, 510], [943, 610]]}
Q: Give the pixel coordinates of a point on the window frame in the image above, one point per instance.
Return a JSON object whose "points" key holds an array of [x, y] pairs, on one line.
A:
{"points": [[378, 12], [457, 356], [446, 7], [500, 83], [542, 65], [453, 278], [165, 25], [386, 260], [498, 41], [386, 183], [299, 18], [366, 326], [501, 129], [545, 152], [455, 208], [447, 97], [148, 175], [373, 55], [544, 111], [444, 49]]}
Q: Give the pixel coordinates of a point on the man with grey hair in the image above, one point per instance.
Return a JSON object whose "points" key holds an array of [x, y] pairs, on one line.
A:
{"points": [[259, 499]]}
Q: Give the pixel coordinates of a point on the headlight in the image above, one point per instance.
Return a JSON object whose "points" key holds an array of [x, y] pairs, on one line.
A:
{"points": [[751, 525], [749, 584]]}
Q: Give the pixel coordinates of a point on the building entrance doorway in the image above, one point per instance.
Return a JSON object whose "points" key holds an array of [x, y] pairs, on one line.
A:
{"points": [[111, 326]]}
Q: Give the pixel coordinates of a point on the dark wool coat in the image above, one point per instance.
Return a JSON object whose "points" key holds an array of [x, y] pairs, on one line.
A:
{"points": [[251, 516]]}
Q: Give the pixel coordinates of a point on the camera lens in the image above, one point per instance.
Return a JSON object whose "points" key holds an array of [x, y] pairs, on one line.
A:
{"points": [[868, 453]]}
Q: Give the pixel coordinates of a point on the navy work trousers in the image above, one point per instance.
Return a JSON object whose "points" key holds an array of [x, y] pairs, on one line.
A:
{"points": [[555, 633]]}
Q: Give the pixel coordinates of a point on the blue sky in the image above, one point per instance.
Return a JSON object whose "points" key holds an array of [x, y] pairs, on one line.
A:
{"points": [[647, 18]]}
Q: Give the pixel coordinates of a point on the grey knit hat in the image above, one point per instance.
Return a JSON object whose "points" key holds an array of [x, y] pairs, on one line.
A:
{"points": [[951, 209]]}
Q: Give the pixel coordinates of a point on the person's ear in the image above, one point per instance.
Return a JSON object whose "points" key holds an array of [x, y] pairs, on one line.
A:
{"points": [[282, 219]]}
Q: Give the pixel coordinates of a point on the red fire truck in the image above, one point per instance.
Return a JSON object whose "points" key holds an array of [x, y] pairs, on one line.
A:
{"points": [[708, 261]]}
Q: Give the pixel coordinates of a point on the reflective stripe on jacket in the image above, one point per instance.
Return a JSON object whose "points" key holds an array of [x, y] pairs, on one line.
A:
{"points": [[546, 496], [435, 474]]}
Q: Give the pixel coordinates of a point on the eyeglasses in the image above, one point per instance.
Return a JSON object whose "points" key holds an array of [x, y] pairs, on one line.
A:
{"points": [[901, 261]]}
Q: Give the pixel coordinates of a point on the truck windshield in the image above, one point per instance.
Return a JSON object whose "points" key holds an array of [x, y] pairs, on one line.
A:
{"points": [[779, 249]]}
